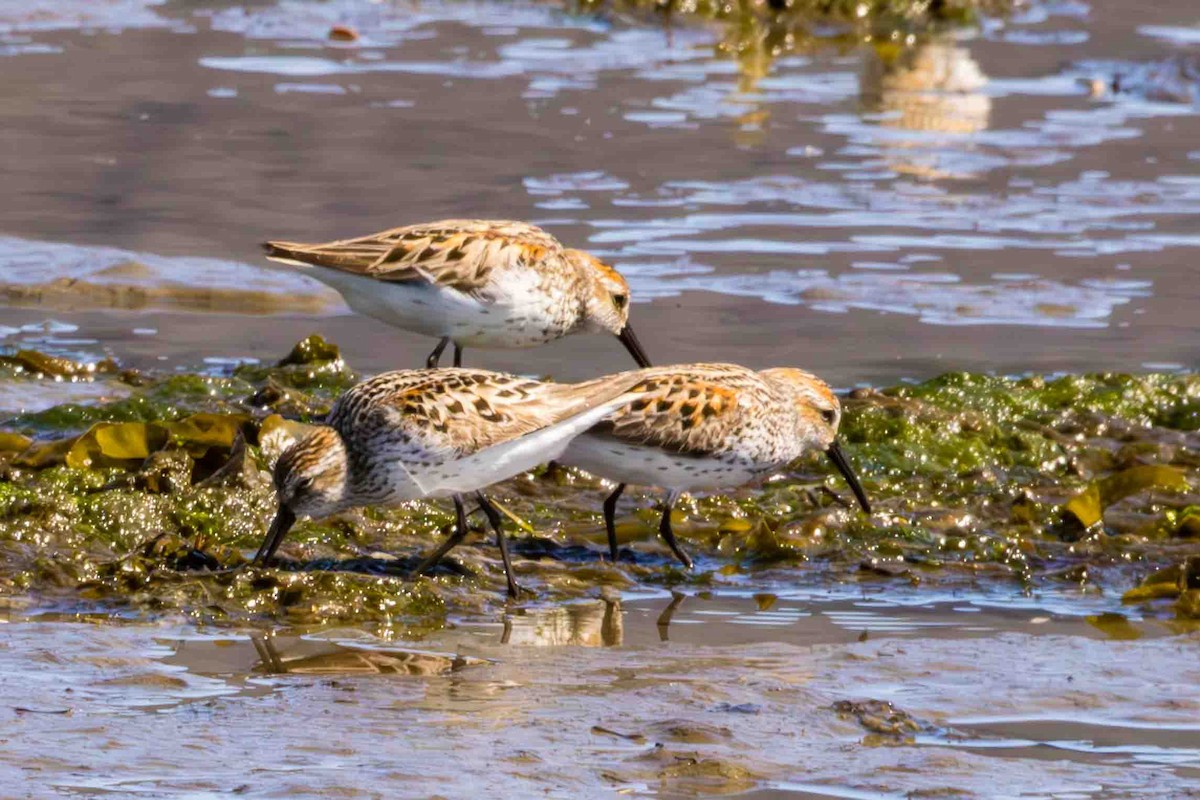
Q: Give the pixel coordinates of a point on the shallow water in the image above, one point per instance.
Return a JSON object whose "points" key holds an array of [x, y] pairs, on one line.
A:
{"points": [[982, 201], [672, 697]]}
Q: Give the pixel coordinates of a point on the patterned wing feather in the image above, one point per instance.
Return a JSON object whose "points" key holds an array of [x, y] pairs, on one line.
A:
{"points": [[458, 253], [694, 412], [456, 412]]}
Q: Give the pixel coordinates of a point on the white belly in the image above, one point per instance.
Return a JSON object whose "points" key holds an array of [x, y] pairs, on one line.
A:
{"points": [[522, 317], [409, 479], [652, 466]]}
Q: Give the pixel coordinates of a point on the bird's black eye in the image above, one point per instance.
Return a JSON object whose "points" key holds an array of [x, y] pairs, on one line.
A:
{"points": [[829, 415], [303, 485], [620, 301]]}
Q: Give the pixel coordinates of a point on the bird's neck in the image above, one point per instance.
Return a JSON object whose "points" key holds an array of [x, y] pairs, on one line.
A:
{"points": [[366, 484]]}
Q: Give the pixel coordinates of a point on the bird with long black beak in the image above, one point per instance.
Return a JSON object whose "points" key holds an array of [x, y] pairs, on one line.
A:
{"points": [[692, 427], [476, 283], [428, 433]]}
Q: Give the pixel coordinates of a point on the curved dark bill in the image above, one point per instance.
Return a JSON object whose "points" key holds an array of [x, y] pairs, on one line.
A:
{"points": [[284, 519], [839, 460], [633, 346]]}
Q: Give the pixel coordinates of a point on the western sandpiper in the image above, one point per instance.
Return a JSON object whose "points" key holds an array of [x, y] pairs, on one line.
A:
{"points": [[710, 426], [478, 283], [416, 434]]}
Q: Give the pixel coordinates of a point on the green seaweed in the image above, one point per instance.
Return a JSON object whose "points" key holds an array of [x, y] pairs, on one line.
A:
{"points": [[969, 474]]}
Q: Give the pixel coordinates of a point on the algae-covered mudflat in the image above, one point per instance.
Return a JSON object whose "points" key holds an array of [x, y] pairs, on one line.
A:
{"points": [[976, 220], [152, 501]]}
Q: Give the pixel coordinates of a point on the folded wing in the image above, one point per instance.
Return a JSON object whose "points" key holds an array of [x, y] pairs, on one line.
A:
{"points": [[689, 413], [457, 253]]}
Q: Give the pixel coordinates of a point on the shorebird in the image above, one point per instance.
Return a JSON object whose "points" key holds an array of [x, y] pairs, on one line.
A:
{"points": [[424, 433], [709, 426], [477, 283]]}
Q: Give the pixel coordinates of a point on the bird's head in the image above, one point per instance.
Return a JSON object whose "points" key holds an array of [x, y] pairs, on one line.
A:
{"points": [[310, 481], [818, 415], [608, 302]]}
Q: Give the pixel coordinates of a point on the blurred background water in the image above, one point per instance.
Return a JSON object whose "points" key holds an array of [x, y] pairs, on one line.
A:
{"points": [[1021, 197]]}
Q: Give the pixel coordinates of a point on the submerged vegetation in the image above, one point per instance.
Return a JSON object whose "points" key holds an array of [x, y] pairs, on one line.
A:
{"points": [[874, 13], [153, 501], [756, 32]]}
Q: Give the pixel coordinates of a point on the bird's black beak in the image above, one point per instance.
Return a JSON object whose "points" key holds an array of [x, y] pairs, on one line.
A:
{"points": [[839, 460], [283, 522], [634, 347]]}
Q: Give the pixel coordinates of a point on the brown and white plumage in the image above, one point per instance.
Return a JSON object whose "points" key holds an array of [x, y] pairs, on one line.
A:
{"points": [[415, 434], [709, 426], [487, 283], [462, 253]]}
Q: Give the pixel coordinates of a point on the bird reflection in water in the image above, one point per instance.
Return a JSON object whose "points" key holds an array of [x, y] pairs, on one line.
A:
{"points": [[598, 623], [295, 656], [664, 619], [930, 88]]}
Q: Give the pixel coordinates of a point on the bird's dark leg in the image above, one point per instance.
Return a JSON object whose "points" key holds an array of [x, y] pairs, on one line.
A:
{"points": [[664, 528], [457, 354], [493, 517], [436, 355], [456, 536], [610, 525]]}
